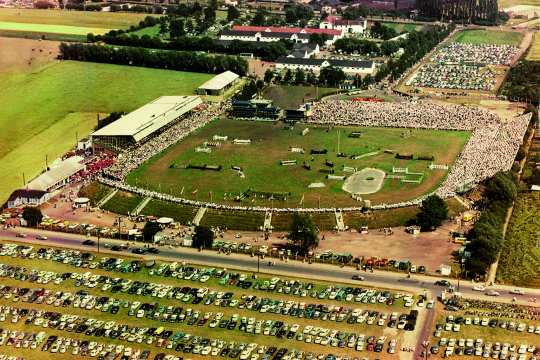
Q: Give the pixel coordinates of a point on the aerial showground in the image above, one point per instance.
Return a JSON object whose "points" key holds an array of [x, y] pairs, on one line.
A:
{"points": [[347, 155]]}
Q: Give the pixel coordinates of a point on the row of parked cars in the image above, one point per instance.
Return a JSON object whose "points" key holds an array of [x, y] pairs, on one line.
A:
{"points": [[159, 337], [66, 345], [223, 277], [201, 295], [454, 323], [477, 347]]}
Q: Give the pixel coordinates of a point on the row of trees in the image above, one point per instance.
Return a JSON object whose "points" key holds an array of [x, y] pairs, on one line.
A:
{"points": [[522, 82], [267, 50], [487, 235], [328, 76], [173, 60], [483, 12], [366, 47]]}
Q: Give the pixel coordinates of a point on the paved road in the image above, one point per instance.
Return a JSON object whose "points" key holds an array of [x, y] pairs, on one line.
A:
{"points": [[385, 279]]}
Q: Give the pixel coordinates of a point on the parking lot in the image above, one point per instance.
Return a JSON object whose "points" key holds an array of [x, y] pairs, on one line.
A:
{"points": [[186, 311], [486, 329]]}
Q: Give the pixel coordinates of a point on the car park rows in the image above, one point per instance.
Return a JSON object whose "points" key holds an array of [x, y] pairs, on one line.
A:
{"points": [[204, 308]]}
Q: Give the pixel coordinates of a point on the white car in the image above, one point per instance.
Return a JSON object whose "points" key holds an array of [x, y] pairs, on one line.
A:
{"points": [[492, 293], [479, 287], [517, 292]]}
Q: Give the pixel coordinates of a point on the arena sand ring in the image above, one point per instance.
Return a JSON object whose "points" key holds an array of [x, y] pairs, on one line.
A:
{"points": [[365, 181]]}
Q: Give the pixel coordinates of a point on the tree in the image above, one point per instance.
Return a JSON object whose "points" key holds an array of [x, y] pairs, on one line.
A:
{"points": [[163, 26], [150, 229], [432, 213], [232, 13], [299, 77], [176, 27], [311, 78], [32, 215], [268, 76], [319, 39], [203, 237], [190, 28], [303, 236], [331, 76], [389, 47], [260, 17], [288, 76], [501, 187]]}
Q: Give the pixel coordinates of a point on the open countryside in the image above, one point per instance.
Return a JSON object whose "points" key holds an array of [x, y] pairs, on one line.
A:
{"points": [[90, 91]]}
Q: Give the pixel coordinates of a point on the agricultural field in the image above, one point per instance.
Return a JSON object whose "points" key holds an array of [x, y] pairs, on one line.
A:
{"points": [[150, 31], [290, 97], [69, 95], [520, 256], [534, 50], [271, 143], [164, 321], [488, 37], [503, 4], [72, 19]]}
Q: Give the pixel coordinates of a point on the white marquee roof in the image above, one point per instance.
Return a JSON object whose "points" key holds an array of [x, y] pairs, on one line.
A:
{"points": [[219, 81]]}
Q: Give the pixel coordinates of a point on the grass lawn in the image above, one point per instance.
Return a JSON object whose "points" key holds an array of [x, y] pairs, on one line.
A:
{"points": [[84, 19], [534, 50], [488, 37], [63, 98], [123, 203], [271, 143], [509, 3], [399, 27], [520, 255], [150, 31], [50, 28], [290, 97]]}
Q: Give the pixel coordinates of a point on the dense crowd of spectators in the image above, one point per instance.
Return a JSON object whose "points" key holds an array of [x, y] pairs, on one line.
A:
{"points": [[132, 157], [492, 146]]}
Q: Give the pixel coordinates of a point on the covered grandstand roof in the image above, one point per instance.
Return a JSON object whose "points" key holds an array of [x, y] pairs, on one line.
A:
{"points": [[63, 170], [220, 81], [150, 117]]}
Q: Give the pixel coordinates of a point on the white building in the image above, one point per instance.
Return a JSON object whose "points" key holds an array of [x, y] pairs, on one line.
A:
{"points": [[143, 122], [58, 175], [347, 26], [273, 34], [349, 67], [27, 197]]}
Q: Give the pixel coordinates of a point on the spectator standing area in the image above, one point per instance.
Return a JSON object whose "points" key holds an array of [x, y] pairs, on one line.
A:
{"points": [[218, 84], [143, 122]]}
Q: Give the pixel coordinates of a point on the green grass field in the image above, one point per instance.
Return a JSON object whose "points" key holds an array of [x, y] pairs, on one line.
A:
{"points": [[534, 50], [399, 27], [520, 255], [50, 28], [62, 99], [270, 144], [290, 97], [85, 19], [488, 37], [150, 31]]}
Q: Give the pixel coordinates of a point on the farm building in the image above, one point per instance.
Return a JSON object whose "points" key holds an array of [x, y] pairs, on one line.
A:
{"points": [[143, 122], [348, 26], [26, 197], [272, 33], [218, 84], [350, 67], [58, 175]]}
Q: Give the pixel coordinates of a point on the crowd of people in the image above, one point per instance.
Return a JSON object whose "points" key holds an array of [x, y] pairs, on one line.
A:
{"points": [[464, 66], [455, 76], [405, 114], [131, 158], [492, 146], [481, 54]]}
